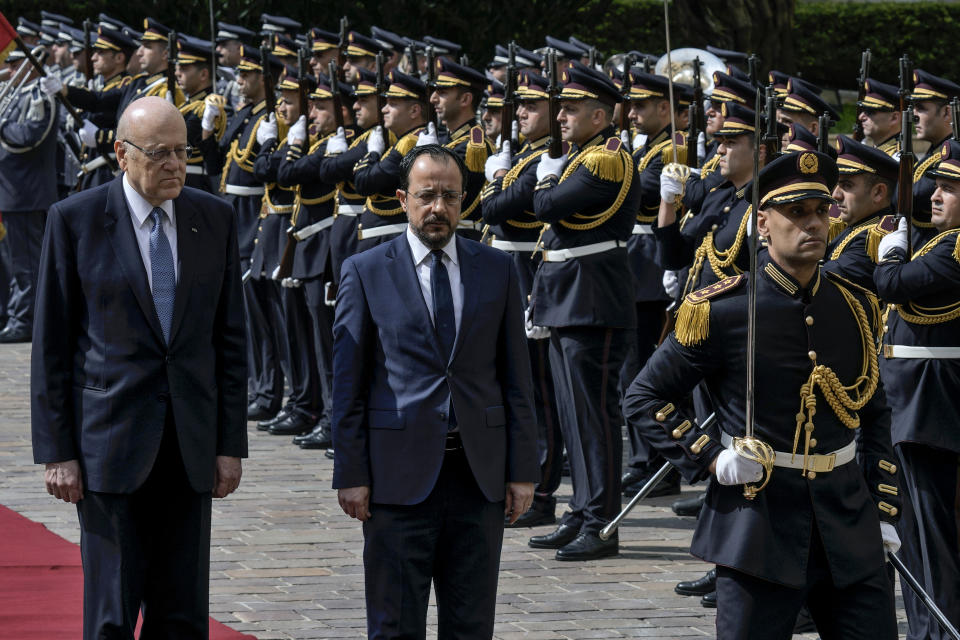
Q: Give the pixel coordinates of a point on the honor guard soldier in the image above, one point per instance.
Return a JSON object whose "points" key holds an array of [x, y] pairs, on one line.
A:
{"points": [[287, 318], [273, 26], [582, 294], [523, 58], [361, 53], [28, 186], [230, 39], [443, 47], [392, 46], [931, 109], [343, 151], [567, 52], [193, 77], [921, 371], [781, 84], [232, 158], [155, 72], [377, 174], [456, 99], [491, 110], [324, 47], [28, 31], [817, 527], [310, 323], [880, 116], [73, 74], [864, 195], [514, 228], [803, 104]]}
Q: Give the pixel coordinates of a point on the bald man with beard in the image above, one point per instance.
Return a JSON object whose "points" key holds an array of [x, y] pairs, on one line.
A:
{"points": [[138, 381]]}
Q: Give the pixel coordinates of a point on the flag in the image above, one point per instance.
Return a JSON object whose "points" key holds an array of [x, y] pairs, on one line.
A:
{"points": [[8, 38]]}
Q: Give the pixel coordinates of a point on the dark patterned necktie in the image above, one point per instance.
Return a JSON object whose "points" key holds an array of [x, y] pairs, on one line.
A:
{"points": [[162, 273]]}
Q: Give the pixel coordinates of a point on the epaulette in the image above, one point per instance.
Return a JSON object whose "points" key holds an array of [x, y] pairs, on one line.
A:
{"points": [[693, 317], [604, 160], [874, 235], [667, 155], [836, 228], [477, 151], [407, 142]]}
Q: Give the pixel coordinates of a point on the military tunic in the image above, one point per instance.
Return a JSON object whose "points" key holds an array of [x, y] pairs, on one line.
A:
{"points": [[923, 188], [470, 143], [853, 253]]}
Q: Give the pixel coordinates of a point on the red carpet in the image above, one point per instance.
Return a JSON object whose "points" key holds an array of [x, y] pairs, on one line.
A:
{"points": [[41, 584]]}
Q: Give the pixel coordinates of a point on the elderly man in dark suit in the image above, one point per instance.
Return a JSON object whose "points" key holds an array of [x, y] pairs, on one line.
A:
{"points": [[138, 382], [433, 423]]}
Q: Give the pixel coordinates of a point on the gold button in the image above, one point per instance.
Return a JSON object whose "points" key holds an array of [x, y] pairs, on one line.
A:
{"points": [[813, 442], [811, 475], [812, 355], [256, 240], [893, 511], [886, 328], [726, 209], [714, 228], [809, 321]]}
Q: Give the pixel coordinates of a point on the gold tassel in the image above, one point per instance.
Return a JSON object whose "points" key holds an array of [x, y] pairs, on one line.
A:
{"points": [[406, 143], [836, 228], [874, 236], [693, 322], [681, 154], [956, 249], [476, 156], [604, 164]]}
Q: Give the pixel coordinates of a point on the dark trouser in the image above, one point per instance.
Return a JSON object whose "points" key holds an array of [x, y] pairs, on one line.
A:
{"points": [[585, 362], [24, 237], [549, 436], [321, 317], [749, 608], [454, 538], [6, 280], [304, 377], [263, 346], [929, 530], [149, 549], [650, 318]]}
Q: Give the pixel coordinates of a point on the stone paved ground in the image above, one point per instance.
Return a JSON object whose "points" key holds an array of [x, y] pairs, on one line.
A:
{"points": [[286, 562]]}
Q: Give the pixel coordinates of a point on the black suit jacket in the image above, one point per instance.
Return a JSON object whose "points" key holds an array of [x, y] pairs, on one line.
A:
{"points": [[102, 376]]}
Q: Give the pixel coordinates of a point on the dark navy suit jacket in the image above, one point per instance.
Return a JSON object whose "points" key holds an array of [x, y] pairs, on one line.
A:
{"points": [[102, 376], [392, 388]]}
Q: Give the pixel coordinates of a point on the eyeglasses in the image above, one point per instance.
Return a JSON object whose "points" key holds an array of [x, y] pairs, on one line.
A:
{"points": [[160, 155], [427, 198]]}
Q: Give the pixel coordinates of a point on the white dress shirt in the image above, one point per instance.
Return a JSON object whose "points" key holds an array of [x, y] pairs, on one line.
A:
{"points": [[422, 261], [142, 225]]}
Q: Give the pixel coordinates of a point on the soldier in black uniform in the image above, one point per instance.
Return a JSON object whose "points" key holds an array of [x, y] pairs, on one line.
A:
{"points": [[323, 48], [930, 99], [491, 110], [920, 368], [361, 54], [456, 97], [803, 104], [28, 186], [582, 292], [193, 77], [377, 174], [864, 196], [817, 531], [880, 116], [230, 39], [514, 228]]}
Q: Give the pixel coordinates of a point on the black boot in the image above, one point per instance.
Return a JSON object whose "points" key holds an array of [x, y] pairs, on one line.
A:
{"points": [[700, 586]]}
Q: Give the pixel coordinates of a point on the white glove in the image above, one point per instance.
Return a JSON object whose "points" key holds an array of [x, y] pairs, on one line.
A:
{"points": [[51, 85], [274, 275], [337, 144], [298, 131], [169, 98], [672, 179], [267, 130], [375, 142], [701, 147], [671, 284], [498, 162], [625, 138], [291, 283], [210, 113], [891, 541], [533, 331], [894, 239], [639, 140], [327, 300], [550, 166], [733, 469], [428, 136], [514, 131], [88, 133]]}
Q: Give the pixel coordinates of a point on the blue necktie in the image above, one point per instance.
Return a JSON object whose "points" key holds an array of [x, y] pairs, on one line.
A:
{"points": [[162, 273], [443, 317]]}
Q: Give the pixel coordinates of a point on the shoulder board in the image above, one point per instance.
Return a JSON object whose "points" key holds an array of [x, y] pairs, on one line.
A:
{"points": [[836, 228], [693, 317], [349, 133], [124, 81], [605, 161], [407, 142], [477, 150]]}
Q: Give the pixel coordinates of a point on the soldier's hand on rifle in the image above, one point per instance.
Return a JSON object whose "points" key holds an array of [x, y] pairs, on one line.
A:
{"points": [[169, 98], [550, 166], [212, 106], [639, 140], [701, 148], [625, 138], [428, 136], [534, 332], [291, 283], [733, 469], [671, 284], [375, 142], [267, 130], [88, 133], [894, 240], [298, 132], [673, 178], [51, 85], [497, 162], [337, 144]]}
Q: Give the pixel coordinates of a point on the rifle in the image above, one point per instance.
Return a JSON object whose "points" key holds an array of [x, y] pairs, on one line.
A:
{"points": [[625, 103], [510, 87], [771, 139], [823, 133], [269, 93], [431, 82], [905, 179], [87, 50], [696, 118], [553, 100], [213, 50], [381, 89], [302, 85], [753, 69], [342, 47], [335, 90], [172, 66], [413, 65], [858, 133], [649, 62], [954, 111], [464, 60]]}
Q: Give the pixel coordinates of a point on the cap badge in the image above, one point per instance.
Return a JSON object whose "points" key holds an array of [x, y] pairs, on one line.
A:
{"points": [[808, 163]]}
